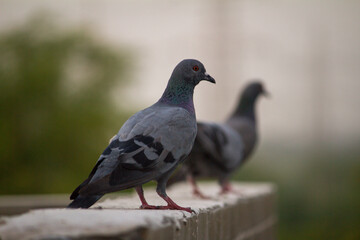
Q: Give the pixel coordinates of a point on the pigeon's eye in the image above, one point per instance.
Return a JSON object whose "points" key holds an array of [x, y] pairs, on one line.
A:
{"points": [[196, 68]]}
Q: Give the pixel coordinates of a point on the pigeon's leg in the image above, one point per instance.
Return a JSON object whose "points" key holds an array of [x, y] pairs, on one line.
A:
{"points": [[227, 188], [144, 204], [171, 204], [196, 190]]}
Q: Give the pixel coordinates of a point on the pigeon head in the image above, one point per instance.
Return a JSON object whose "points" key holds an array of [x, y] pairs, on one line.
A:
{"points": [[246, 106], [191, 71], [180, 89], [253, 90]]}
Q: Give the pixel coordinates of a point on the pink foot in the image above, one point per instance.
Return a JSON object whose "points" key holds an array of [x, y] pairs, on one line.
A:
{"points": [[189, 210], [196, 191], [200, 195], [168, 207], [147, 206], [227, 188], [173, 206]]}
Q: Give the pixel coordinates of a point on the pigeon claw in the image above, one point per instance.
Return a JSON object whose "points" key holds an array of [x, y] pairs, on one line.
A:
{"points": [[168, 207], [171, 207], [228, 188], [200, 195]]}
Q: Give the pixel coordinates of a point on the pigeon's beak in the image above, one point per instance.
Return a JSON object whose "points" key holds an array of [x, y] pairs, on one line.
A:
{"points": [[266, 94], [209, 78]]}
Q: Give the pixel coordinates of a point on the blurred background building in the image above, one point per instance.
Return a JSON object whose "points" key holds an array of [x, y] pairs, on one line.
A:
{"points": [[306, 52]]}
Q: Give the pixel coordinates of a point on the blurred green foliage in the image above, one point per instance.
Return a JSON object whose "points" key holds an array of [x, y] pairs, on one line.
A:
{"points": [[318, 191], [56, 113]]}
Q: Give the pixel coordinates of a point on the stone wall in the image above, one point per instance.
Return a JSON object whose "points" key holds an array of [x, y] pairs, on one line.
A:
{"points": [[248, 214]]}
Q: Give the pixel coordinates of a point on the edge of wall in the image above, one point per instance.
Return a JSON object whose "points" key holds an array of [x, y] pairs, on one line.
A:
{"points": [[251, 214]]}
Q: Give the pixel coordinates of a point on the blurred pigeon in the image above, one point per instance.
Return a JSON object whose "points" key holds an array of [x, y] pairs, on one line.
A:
{"points": [[221, 148], [150, 144]]}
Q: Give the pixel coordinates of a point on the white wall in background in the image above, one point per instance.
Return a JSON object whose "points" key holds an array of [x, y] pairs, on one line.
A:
{"points": [[307, 53]]}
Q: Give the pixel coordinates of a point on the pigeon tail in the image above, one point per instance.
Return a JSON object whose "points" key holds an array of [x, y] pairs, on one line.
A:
{"points": [[84, 201]]}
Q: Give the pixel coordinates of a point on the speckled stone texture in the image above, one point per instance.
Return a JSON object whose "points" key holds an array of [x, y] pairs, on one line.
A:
{"points": [[248, 215]]}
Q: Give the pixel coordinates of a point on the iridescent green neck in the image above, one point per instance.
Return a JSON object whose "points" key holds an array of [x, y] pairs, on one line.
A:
{"points": [[179, 93]]}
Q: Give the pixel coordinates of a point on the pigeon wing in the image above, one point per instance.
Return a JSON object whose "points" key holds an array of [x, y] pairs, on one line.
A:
{"points": [[221, 144], [143, 150]]}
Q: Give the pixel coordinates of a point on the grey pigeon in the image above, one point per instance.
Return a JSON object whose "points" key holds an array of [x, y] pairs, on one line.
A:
{"points": [[150, 144], [221, 148]]}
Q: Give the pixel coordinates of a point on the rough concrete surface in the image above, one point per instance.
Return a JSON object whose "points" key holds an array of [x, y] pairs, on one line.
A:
{"points": [[249, 215]]}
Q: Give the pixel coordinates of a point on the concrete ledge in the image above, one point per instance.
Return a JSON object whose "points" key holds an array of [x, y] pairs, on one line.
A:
{"points": [[248, 216], [17, 204]]}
